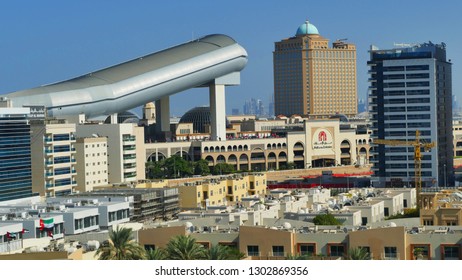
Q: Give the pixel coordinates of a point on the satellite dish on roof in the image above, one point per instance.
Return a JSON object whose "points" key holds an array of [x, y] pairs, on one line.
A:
{"points": [[287, 225]]}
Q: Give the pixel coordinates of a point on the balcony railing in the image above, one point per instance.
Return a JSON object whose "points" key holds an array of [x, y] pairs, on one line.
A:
{"points": [[10, 246]]}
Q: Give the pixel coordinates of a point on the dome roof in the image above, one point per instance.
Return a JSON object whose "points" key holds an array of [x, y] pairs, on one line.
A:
{"points": [[199, 117], [149, 105], [124, 117], [341, 117], [307, 29]]}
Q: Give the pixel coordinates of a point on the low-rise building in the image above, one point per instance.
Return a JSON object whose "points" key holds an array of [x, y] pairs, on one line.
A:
{"points": [[441, 208], [371, 211], [80, 219]]}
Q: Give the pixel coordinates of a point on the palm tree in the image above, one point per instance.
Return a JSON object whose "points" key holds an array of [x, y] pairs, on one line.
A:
{"points": [[358, 254], [218, 252], [184, 247], [121, 246], [156, 254], [235, 254]]}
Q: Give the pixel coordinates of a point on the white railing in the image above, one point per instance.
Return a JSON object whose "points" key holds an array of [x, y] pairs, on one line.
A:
{"points": [[11, 246]]}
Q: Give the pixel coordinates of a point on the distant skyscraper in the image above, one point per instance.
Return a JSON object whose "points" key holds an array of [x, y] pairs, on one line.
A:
{"points": [[15, 154], [312, 79], [361, 106], [410, 90], [455, 104], [254, 107], [271, 109]]}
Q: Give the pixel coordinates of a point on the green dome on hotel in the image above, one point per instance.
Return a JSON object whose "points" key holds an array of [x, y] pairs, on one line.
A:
{"points": [[307, 29]]}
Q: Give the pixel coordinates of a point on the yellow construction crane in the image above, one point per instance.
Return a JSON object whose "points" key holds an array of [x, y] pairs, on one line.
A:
{"points": [[417, 157]]}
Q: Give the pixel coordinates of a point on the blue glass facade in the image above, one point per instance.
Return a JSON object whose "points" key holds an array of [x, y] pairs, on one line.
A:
{"points": [[15, 155]]}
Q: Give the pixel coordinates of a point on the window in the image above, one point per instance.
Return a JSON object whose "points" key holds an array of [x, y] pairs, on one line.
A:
{"points": [[278, 251], [390, 253], [335, 250], [252, 250], [420, 251], [450, 252], [307, 249], [417, 67]]}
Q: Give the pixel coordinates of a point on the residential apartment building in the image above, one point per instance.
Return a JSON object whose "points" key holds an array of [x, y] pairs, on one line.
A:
{"points": [[441, 208], [125, 149], [410, 90], [221, 190], [382, 243], [53, 155], [311, 78], [15, 154], [92, 163]]}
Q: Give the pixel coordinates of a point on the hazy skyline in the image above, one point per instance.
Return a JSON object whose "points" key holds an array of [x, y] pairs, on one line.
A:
{"points": [[46, 42]]}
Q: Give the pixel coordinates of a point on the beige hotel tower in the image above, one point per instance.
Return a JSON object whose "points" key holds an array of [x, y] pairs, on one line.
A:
{"points": [[312, 79]]}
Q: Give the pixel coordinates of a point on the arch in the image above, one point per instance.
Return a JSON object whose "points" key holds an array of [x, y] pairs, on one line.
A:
{"points": [[234, 148], [230, 148], [210, 160], [284, 145], [362, 151], [243, 158], [298, 145], [346, 142], [282, 155], [223, 149], [217, 149], [246, 148], [185, 155], [240, 148], [160, 156], [279, 145], [268, 146], [212, 149], [232, 158], [271, 156], [221, 159], [206, 149], [274, 146]]}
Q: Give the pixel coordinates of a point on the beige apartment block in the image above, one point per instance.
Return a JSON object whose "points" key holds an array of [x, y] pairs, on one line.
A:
{"points": [[311, 78], [320, 243], [53, 157], [92, 163], [125, 149], [221, 190], [441, 208]]}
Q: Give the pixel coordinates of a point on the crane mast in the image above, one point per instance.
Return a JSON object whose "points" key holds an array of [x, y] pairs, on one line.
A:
{"points": [[418, 145]]}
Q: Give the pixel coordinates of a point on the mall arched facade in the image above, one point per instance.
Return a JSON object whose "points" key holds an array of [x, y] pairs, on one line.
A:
{"points": [[320, 143]]}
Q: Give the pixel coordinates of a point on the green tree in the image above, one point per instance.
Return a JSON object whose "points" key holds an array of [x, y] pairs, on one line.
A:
{"points": [[219, 252], [201, 167], [235, 254], [184, 247], [326, 220], [156, 254], [358, 254], [154, 170], [121, 246], [223, 168], [287, 166], [176, 167]]}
